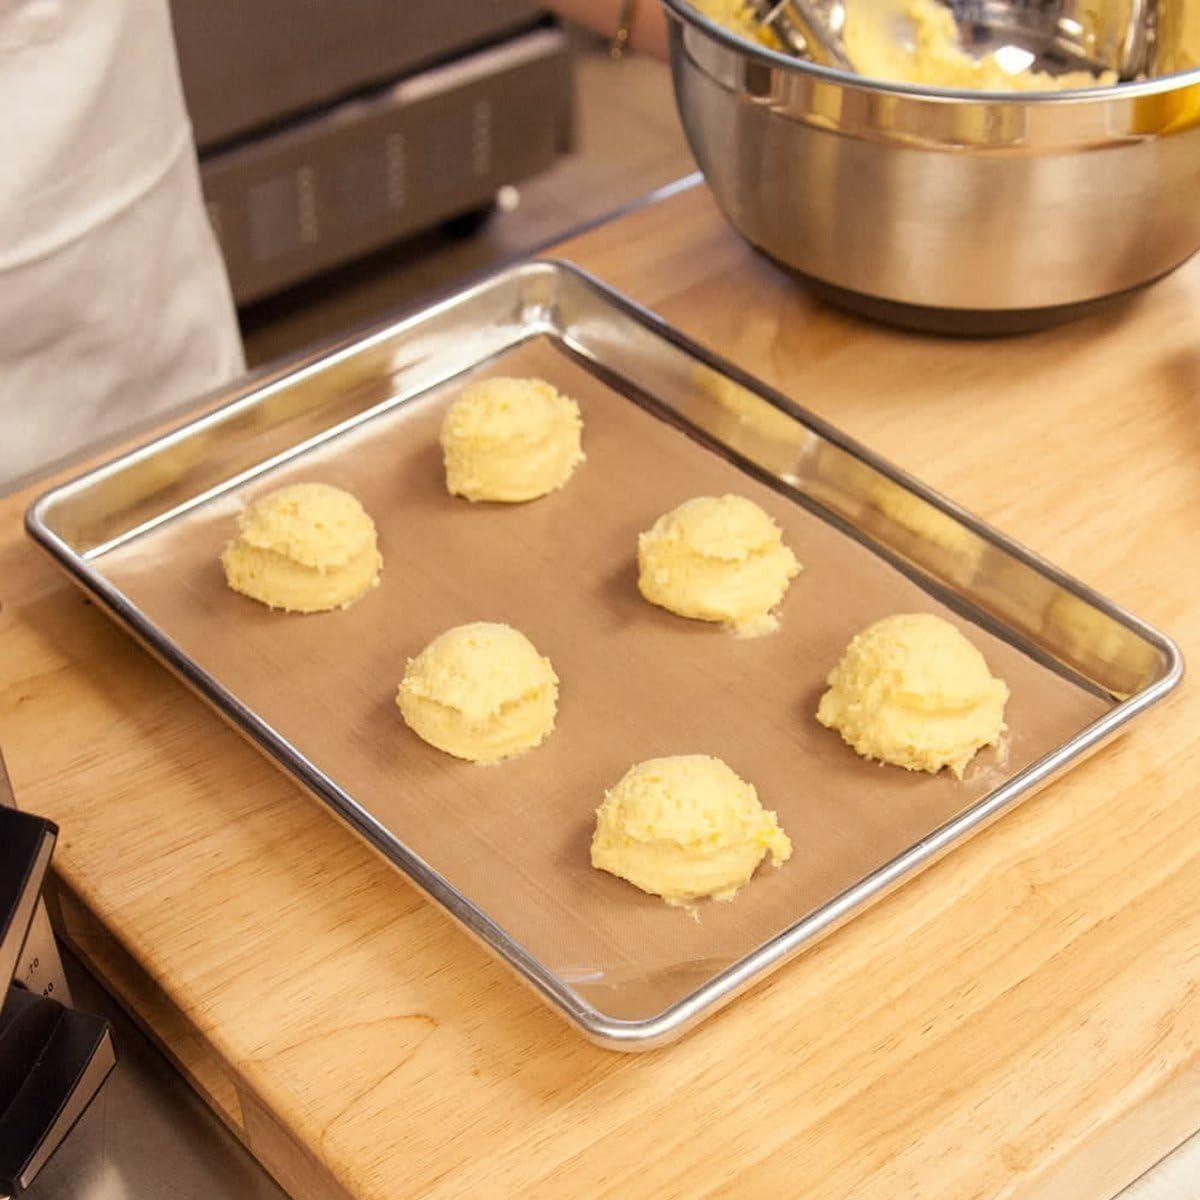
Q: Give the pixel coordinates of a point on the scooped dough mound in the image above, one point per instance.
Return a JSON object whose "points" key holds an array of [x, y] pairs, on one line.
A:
{"points": [[684, 828], [912, 691], [480, 692], [716, 558], [510, 440], [305, 548]]}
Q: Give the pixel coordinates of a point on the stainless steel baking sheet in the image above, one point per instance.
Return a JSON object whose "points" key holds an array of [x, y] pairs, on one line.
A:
{"points": [[504, 848]]}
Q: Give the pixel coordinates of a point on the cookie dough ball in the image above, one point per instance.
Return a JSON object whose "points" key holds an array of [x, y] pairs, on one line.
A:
{"points": [[510, 440], [685, 827], [480, 692], [717, 558], [304, 548], [911, 690]]}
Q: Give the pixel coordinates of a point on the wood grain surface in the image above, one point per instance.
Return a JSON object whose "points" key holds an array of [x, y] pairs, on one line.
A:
{"points": [[1021, 1021]]}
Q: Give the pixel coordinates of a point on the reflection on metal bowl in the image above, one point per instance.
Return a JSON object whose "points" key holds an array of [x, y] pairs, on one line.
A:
{"points": [[973, 211]]}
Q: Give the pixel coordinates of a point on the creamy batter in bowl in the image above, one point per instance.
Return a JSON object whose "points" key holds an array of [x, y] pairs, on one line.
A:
{"points": [[918, 41], [946, 207]]}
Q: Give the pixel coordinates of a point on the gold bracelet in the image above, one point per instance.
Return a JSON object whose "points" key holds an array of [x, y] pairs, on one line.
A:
{"points": [[620, 42]]}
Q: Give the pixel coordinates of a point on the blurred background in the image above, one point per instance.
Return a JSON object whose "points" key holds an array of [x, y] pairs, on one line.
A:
{"points": [[360, 155]]}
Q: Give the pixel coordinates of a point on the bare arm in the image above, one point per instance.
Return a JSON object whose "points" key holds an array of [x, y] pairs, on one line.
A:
{"points": [[648, 28]]}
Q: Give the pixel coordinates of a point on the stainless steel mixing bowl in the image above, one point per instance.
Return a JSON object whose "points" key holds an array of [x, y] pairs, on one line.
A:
{"points": [[977, 211]]}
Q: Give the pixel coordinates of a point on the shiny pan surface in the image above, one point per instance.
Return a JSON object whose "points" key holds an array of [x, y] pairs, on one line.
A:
{"points": [[504, 848]]}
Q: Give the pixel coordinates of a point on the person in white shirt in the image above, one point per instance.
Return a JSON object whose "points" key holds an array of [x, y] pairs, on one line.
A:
{"points": [[113, 298], [114, 303]]}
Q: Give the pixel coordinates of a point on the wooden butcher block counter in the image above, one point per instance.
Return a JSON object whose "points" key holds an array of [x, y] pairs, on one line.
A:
{"points": [[1023, 1020]]}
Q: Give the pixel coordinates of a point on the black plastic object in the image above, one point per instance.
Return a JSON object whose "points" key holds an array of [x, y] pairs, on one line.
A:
{"points": [[52, 1060], [26, 843]]}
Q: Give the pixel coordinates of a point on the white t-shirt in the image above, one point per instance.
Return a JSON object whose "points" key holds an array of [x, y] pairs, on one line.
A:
{"points": [[114, 302]]}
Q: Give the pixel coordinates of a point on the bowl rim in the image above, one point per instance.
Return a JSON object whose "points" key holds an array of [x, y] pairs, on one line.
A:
{"points": [[686, 13]]}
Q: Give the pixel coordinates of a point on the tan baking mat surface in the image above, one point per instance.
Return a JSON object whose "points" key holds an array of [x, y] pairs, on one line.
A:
{"points": [[636, 682]]}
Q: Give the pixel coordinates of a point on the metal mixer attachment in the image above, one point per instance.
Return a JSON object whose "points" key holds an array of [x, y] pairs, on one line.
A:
{"points": [[1065, 35], [1098, 36], [809, 29]]}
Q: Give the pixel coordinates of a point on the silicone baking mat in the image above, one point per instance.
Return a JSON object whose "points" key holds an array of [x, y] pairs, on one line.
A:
{"points": [[636, 682]]}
